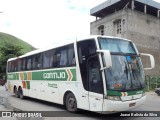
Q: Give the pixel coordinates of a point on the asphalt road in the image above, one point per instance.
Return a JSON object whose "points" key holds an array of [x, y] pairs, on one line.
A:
{"points": [[8, 102]]}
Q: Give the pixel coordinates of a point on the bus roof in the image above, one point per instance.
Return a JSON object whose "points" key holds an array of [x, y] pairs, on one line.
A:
{"points": [[72, 41], [102, 36]]}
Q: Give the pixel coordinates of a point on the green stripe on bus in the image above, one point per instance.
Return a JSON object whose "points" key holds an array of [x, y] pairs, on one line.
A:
{"points": [[11, 76], [113, 93], [58, 75], [74, 74], [55, 75], [28, 84], [136, 92], [25, 76], [17, 76], [129, 93]]}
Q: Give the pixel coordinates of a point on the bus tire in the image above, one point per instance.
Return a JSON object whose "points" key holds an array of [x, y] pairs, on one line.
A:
{"points": [[16, 92], [20, 91], [71, 103]]}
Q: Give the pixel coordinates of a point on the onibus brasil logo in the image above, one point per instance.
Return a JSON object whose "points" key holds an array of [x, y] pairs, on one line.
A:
{"points": [[21, 114]]}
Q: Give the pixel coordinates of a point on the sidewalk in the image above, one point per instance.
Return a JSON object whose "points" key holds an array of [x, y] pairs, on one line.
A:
{"points": [[151, 93], [3, 108], [2, 94]]}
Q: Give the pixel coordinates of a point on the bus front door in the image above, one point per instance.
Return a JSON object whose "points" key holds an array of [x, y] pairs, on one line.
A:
{"points": [[95, 85]]}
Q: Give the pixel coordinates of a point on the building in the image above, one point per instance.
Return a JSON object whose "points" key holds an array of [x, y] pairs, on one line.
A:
{"points": [[137, 20]]}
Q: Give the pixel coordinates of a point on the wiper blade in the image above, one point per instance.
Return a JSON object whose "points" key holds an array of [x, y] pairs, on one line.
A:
{"points": [[132, 54], [126, 70], [125, 54]]}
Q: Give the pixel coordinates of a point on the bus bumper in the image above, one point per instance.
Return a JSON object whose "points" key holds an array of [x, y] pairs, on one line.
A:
{"points": [[111, 106]]}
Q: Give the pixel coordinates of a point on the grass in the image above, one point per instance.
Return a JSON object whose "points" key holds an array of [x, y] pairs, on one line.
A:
{"points": [[7, 38]]}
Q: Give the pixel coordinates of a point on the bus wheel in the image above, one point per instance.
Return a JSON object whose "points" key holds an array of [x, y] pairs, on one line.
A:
{"points": [[20, 91], [71, 103], [16, 92]]}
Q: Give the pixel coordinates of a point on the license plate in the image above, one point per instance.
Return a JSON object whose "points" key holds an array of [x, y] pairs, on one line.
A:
{"points": [[132, 104]]}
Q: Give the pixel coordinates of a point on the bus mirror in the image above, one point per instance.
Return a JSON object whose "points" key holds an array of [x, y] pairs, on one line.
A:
{"points": [[152, 61], [107, 58]]}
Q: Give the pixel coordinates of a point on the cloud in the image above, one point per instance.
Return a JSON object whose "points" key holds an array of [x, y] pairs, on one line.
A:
{"points": [[45, 23]]}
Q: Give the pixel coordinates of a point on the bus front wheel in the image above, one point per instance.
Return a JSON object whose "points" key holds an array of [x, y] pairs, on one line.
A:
{"points": [[71, 103]]}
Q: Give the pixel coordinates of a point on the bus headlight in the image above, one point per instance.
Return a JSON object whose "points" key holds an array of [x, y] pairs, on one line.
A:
{"points": [[116, 98]]}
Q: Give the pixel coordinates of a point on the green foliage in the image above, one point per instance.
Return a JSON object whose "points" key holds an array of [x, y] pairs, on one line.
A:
{"points": [[152, 82], [8, 51], [10, 47], [9, 39]]}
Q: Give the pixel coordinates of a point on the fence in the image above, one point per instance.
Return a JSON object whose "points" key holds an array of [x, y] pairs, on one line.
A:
{"points": [[152, 82]]}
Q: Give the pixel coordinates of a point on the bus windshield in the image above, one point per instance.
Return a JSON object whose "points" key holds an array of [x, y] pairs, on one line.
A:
{"points": [[117, 45], [127, 72]]}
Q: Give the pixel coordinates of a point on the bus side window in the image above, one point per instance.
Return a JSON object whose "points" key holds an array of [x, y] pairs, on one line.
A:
{"points": [[71, 56], [15, 66], [46, 59], [34, 63], [51, 58], [19, 64], [29, 65], [40, 61], [24, 64], [58, 55], [9, 66], [63, 58], [37, 61], [54, 60]]}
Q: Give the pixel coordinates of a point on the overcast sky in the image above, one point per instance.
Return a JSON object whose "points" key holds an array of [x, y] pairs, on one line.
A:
{"points": [[44, 23]]}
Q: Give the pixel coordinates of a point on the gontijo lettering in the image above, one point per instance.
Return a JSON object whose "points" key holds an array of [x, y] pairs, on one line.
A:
{"points": [[54, 75]]}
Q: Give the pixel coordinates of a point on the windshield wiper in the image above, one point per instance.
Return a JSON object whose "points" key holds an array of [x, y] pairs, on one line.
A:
{"points": [[125, 54], [127, 76], [126, 70], [133, 54]]}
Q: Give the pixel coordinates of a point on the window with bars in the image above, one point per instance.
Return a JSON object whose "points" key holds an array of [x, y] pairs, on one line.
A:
{"points": [[118, 26], [101, 30]]}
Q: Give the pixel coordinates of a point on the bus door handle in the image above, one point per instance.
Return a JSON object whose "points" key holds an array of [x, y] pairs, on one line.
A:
{"points": [[97, 99], [83, 96], [53, 92]]}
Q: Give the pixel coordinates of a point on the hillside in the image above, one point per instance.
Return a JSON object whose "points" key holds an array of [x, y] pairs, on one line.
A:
{"points": [[7, 38]]}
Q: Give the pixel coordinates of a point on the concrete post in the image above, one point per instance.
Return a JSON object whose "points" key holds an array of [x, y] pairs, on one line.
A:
{"points": [[132, 5], [145, 9]]}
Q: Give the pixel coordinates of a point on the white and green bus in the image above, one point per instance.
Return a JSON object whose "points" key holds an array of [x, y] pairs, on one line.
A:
{"points": [[101, 74]]}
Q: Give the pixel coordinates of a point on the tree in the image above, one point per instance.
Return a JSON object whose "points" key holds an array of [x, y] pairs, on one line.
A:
{"points": [[8, 51]]}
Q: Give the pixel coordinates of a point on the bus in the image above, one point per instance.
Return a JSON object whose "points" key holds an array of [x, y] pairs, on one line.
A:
{"points": [[100, 73]]}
